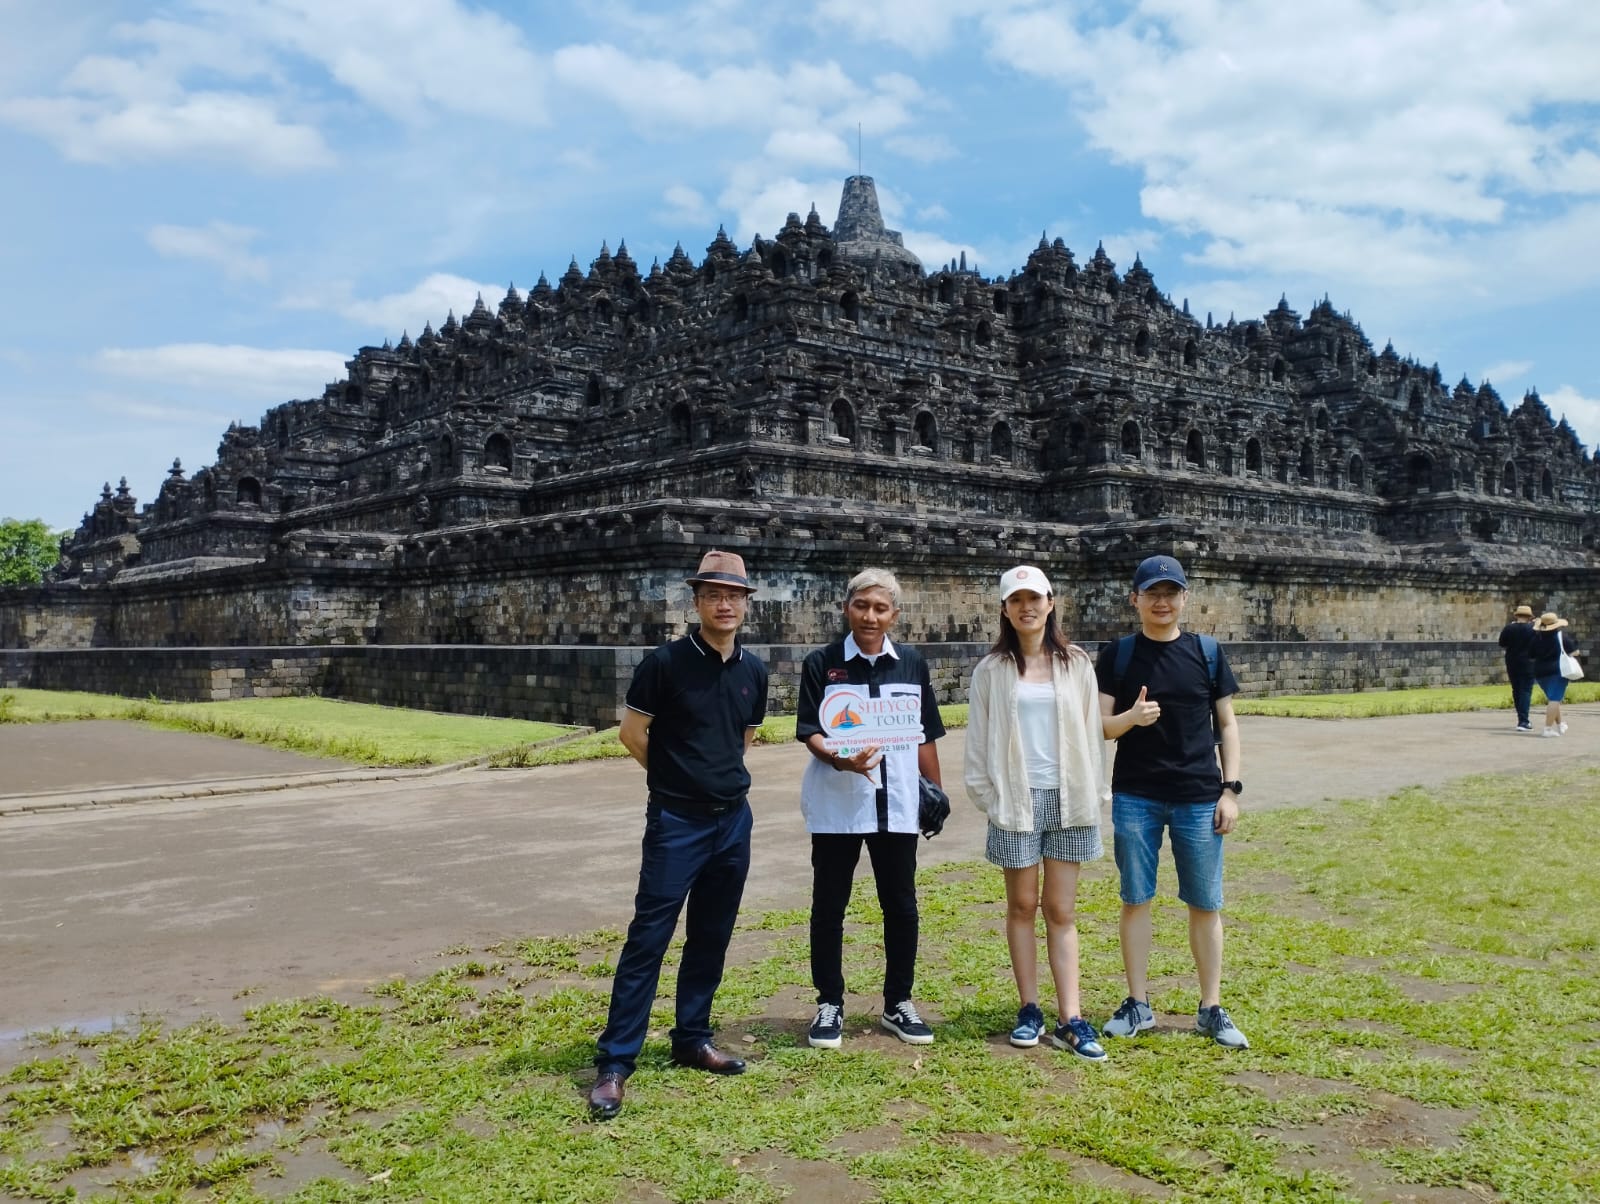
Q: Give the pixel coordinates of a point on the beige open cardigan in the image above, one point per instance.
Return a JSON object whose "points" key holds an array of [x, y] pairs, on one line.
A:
{"points": [[997, 776]]}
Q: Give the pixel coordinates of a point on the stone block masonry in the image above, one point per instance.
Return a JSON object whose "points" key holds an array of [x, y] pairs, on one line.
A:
{"points": [[587, 685]]}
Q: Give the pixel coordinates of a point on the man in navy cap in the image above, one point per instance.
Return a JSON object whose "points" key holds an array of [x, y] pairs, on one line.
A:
{"points": [[1166, 697], [692, 712]]}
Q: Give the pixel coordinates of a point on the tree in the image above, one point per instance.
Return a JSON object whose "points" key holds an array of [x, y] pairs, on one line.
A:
{"points": [[27, 549]]}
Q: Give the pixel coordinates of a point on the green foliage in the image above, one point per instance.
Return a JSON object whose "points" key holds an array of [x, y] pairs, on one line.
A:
{"points": [[27, 549], [1417, 977]]}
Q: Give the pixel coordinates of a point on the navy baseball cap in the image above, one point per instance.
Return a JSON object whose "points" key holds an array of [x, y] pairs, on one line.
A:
{"points": [[1158, 568]]}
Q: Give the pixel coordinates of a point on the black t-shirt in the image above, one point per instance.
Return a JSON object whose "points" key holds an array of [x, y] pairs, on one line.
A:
{"points": [[1515, 639], [1174, 760], [700, 706]]}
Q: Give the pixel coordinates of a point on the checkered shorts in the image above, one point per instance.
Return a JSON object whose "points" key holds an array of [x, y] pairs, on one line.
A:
{"points": [[1019, 850]]}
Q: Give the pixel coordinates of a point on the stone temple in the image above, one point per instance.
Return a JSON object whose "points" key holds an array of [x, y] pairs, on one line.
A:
{"points": [[514, 498]]}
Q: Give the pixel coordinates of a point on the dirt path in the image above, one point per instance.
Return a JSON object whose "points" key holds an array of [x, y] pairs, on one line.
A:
{"points": [[178, 907]]}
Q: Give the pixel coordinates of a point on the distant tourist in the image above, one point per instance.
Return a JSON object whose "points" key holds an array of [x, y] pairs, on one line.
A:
{"points": [[1550, 640], [692, 712], [1166, 697], [866, 796], [1515, 637], [1036, 765]]}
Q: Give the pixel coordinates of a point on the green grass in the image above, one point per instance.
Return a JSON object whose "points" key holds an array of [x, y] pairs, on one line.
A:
{"points": [[1417, 976], [322, 727], [1375, 703], [369, 735]]}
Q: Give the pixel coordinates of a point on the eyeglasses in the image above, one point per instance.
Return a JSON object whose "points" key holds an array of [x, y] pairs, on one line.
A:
{"points": [[718, 596]]}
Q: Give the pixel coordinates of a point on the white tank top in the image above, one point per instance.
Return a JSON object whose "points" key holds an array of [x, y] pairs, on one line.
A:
{"points": [[1040, 732]]}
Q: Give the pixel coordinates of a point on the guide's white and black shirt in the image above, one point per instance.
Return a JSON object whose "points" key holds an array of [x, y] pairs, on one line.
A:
{"points": [[844, 802]]}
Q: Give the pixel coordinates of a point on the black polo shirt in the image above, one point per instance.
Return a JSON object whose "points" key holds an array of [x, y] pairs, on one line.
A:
{"points": [[700, 706]]}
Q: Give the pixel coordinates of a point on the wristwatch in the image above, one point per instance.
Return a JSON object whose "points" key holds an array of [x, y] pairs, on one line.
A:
{"points": [[1236, 786]]}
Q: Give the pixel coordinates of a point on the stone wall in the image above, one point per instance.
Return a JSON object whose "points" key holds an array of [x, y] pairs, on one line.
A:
{"points": [[587, 685]]}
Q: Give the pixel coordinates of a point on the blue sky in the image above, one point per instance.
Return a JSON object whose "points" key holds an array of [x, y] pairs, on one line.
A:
{"points": [[210, 204]]}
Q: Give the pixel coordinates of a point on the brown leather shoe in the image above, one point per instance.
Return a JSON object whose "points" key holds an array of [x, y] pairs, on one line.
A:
{"points": [[605, 1098], [709, 1058]]}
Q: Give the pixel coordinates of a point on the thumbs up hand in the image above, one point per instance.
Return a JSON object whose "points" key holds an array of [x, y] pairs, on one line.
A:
{"points": [[1145, 710]]}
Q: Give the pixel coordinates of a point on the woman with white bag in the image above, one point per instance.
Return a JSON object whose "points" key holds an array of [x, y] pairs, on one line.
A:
{"points": [[1551, 652]]}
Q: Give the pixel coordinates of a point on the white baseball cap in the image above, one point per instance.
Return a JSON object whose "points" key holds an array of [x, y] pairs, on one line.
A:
{"points": [[1024, 576]]}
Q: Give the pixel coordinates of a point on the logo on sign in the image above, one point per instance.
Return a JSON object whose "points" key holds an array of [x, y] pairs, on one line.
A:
{"points": [[843, 712]]}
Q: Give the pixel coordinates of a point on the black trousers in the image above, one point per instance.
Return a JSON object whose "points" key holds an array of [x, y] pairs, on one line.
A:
{"points": [[894, 868]]}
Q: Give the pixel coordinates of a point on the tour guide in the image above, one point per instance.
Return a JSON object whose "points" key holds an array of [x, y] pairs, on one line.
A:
{"points": [[692, 711], [869, 796]]}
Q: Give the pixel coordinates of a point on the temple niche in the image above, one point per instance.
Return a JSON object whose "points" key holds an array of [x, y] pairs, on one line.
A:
{"points": [[539, 471]]}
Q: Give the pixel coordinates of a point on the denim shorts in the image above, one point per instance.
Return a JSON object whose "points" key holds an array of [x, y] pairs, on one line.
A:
{"points": [[1554, 687], [1137, 824]]}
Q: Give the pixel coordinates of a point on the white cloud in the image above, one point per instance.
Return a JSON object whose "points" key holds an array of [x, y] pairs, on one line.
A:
{"points": [[761, 204], [407, 58], [1582, 412], [921, 27], [228, 369], [922, 148], [1507, 371], [685, 207], [936, 251], [222, 127], [804, 148], [430, 300], [148, 411], [220, 243], [1376, 152], [665, 98]]}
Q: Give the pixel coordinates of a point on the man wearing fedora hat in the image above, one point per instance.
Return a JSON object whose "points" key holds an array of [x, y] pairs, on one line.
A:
{"points": [[1515, 637], [692, 712]]}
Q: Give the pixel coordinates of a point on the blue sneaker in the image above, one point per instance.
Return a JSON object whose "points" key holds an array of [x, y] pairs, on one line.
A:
{"points": [[1076, 1035], [1214, 1022], [1134, 1016], [1030, 1027]]}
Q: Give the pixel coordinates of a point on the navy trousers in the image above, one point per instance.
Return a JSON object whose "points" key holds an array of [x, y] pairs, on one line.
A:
{"points": [[1521, 692], [701, 860]]}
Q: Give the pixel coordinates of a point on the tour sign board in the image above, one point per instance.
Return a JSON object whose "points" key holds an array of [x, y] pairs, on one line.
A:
{"points": [[852, 719]]}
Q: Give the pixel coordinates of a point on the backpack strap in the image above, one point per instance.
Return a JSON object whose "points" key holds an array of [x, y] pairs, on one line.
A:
{"points": [[1209, 649], [1119, 667]]}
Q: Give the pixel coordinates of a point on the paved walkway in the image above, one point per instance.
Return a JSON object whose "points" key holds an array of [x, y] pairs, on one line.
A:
{"points": [[93, 754], [176, 907]]}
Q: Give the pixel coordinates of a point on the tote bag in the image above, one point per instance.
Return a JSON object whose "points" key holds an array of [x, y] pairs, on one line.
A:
{"points": [[1570, 668]]}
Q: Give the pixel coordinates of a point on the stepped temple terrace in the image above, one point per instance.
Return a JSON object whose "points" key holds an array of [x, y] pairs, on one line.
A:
{"points": [[498, 514]]}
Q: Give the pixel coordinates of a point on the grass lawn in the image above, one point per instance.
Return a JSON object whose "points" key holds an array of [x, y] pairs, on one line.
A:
{"points": [[1373, 703], [1418, 977], [323, 727], [372, 735]]}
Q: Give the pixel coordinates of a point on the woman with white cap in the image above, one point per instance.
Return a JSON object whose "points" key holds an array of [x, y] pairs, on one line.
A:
{"points": [[1035, 765], [1544, 650]]}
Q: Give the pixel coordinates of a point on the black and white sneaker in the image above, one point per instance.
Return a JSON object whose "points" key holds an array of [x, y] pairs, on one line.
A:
{"points": [[902, 1020], [827, 1030]]}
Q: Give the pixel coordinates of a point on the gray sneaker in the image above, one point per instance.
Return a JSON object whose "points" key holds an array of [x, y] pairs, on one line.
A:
{"points": [[1134, 1016], [1214, 1022]]}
